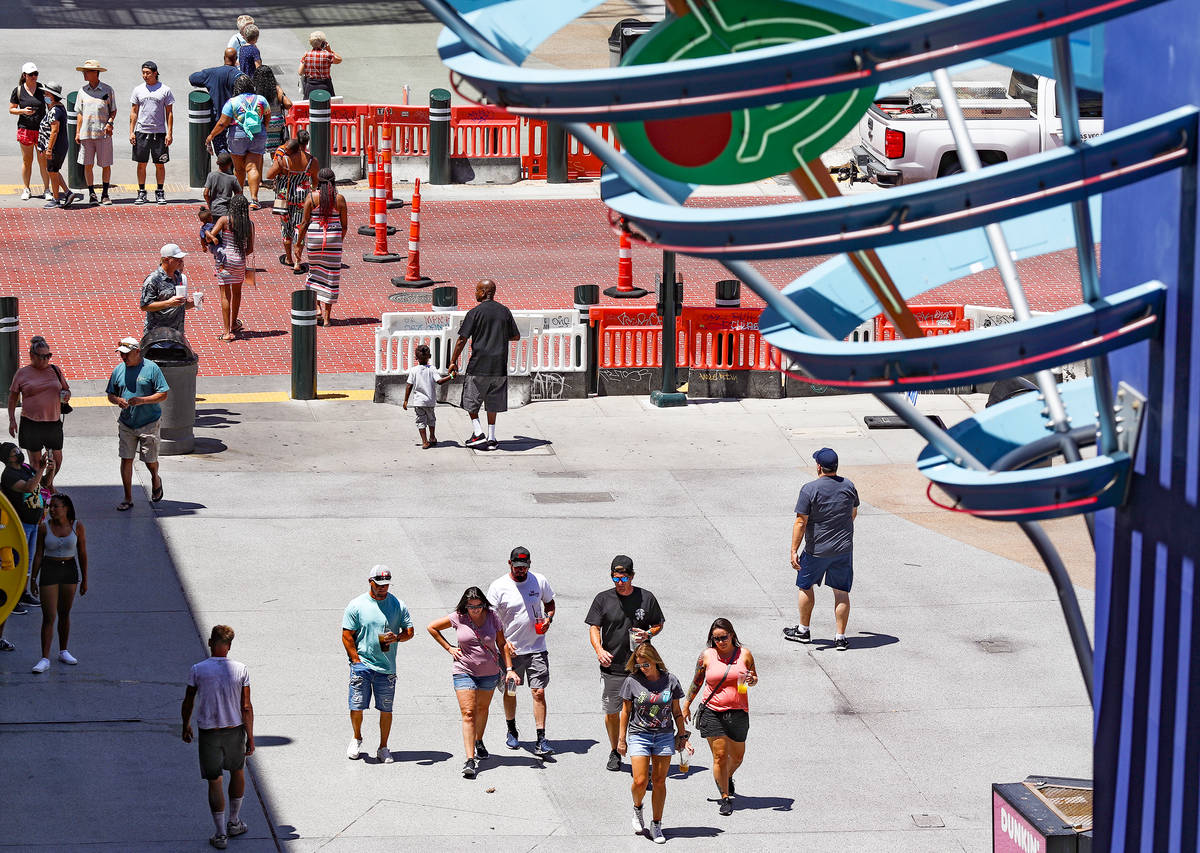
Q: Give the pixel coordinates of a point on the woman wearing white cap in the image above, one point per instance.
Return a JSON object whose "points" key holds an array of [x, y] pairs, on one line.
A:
{"points": [[28, 105]]}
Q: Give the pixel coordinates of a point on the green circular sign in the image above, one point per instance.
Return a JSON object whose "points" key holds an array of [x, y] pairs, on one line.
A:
{"points": [[750, 144]]}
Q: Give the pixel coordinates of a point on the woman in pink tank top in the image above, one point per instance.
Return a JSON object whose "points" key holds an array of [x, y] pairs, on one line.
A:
{"points": [[724, 673]]}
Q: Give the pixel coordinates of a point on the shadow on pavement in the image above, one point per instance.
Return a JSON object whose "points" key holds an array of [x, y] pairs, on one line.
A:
{"points": [[170, 509], [215, 418], [692, 832], [862, 640], [270, 740], [424, 757]]}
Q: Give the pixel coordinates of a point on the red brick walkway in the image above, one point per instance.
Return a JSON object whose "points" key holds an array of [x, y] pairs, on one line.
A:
{"points": [[78, 275]]}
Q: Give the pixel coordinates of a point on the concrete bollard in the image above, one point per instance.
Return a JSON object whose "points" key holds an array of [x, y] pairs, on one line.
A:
{"points": [[587, 295], [729, 293], [439, 136], [319, 114], [304, 345], [556, 153], [10, 339], [199, 125], [74, 170]]}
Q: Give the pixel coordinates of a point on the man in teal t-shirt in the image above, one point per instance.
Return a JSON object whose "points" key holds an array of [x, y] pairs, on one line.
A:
{"points": [[372, 625], [136, 387]]}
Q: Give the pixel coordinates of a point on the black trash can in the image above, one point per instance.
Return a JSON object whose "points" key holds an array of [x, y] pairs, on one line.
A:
{"points": [[170, 350], [623, 36]]}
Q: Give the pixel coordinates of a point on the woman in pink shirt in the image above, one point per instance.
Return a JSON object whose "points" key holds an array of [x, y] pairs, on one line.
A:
{"points": [[476, 669], [724, 673], [40, 389]]}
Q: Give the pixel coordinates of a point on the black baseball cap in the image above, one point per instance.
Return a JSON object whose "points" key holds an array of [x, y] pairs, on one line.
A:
{"points": [[151, 64], [519, 556], [621, 563], [826, 458]]}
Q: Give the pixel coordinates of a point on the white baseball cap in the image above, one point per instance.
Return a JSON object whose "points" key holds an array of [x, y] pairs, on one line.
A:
{"points": [[128, 344], [29, 68], [380, 576], [171, 250]]}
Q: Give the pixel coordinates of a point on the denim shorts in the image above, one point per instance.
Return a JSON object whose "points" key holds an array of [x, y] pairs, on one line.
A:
{"points": [[364, 681], [837, 572], [651, 743], [241, 145], [462, 681]]}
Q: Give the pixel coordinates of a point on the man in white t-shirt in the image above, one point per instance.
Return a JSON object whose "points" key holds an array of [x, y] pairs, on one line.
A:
{"points": [[151, 121], [524, 603], [219, 692]]}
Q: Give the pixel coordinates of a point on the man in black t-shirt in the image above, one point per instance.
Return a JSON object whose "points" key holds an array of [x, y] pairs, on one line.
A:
{"points": [[620, 618], [490, 327]]}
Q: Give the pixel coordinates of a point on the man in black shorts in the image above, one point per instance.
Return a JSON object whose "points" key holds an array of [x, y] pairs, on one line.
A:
{"points": [[490, 327]]}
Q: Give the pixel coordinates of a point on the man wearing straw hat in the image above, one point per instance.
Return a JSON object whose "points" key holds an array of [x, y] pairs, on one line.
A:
{"points": [[96, 112]]}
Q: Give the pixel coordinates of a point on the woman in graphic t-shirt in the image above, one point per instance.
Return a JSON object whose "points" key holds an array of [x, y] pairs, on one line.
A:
{"points": [[648, 731], [476, 669]]}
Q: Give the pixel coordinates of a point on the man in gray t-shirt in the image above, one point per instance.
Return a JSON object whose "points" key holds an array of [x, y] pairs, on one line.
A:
{"points": [[825, 513]]}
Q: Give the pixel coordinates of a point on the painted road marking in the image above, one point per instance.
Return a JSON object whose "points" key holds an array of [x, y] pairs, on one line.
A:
{"points": [[246, 397]]}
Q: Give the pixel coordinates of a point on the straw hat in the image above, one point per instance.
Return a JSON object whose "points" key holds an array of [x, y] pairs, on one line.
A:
{"points": [[91, 65]]}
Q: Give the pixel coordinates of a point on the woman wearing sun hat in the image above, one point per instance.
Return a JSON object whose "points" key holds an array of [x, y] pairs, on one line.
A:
{"points": [[52, 146], [28, 105]]}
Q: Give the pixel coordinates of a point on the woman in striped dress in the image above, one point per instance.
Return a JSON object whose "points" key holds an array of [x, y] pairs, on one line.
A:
{"points": [[235, 233], [294, 171], [321, 230]]}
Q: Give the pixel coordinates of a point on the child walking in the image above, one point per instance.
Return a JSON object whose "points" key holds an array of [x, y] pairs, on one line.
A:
{"points": [[422, 377]]}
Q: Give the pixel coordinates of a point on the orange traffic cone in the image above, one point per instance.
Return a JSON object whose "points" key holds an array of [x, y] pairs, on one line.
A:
{"points": [[368, 230], [381, 255], [412, 276], [625, 288]]}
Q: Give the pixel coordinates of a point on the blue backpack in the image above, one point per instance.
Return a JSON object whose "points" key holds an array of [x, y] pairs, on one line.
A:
{"points": [[248, 118]]}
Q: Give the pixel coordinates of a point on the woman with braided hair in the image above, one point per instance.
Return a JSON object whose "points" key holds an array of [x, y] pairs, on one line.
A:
{"points": [[321, 230], [235, 233]]}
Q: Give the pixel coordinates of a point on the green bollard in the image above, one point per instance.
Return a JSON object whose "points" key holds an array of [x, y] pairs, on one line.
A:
{"points": [[304, 345], [319, 114], [10, 339], [587, 295], [199, 124], [74, 170], [439, 136], [669, 308], [556, 153]]}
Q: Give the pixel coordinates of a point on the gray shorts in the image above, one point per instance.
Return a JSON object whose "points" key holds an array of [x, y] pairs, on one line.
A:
{"points": [[426, 416], [610, 692], [141, 441], [534, 668], [492, 391], [96, 151], [220, 750]]}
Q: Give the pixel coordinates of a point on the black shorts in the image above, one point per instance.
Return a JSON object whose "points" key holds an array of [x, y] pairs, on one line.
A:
{"points": [[58, 571], [54, 163], [34, 435], [734, 725], [221, 749], [150, 147]]}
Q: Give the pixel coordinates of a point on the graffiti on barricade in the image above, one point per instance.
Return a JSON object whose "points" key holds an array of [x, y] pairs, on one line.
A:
{"points": [[723, 319], [420, 323]]}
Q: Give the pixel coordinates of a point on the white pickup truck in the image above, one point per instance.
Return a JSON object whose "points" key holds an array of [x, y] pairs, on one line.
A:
{"points": [[906, 138]]}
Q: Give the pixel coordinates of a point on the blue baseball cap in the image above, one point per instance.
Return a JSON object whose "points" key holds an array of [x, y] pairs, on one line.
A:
{"points": [[826, 458]]}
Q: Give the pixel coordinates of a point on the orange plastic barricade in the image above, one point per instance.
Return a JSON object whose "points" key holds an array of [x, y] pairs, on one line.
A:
{"points": [[933, 320], [484, 132], [345, 136], [533, 153], [581, 162], [726, 339], [632, 337], [410, 128]]}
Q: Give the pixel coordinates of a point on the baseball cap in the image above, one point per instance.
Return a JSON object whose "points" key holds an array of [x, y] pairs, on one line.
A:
{"points": [[622, 563], [519, 556], [128, 344], [826, 458], [380, 575], [171, 250], [29, 68], [151, 64]]}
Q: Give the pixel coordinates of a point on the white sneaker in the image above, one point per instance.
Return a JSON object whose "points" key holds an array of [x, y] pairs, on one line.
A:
{"points": [[41, 666], [48, 196], [232, 829], [384, 755], [354, 750], [67, 658], [25, 194], [638, 822], [656, 832]]}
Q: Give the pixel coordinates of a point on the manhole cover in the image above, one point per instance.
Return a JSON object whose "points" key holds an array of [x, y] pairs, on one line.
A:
{"points": [[418, 298], [573, 497], [928, 821]]}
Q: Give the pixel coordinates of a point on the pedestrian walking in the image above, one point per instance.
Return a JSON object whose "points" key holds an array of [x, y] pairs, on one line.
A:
{"points": [[315, 65], [249, 57], [480, 647], [21, 483], [825, 513], [60, 568], [279, 104], [424, 380], [40, 389], [490, 327], [95, 118], [28, 104], [221, 185], [725, 672], [652, 728], [151, 128], [237, 39], [620, 619], [52, 147], [218, 690], [244, 122], [218, 81], [235, 233], [371, 627], [524, 601], [294, 172], [136, 387], [322, 224], [165, 295]]}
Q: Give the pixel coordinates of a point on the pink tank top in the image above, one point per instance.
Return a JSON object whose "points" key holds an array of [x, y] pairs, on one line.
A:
{"points": [[726, 698]]}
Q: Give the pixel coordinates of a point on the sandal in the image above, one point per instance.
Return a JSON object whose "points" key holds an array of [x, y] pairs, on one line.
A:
{"points": [[254, 205], [124, 505], [157, 494], [320, 321], [283, 259], [300, 270], [239, 326], [228, 337]]}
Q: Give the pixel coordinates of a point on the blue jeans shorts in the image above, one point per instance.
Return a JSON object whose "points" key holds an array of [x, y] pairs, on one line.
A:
{"points": [[364, 681], [647, 743], [836, 572], [241, 145], [462, 681]]}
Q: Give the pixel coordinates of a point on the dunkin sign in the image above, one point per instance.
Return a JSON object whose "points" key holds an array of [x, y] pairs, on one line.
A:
{"points": [[1011, 833]]}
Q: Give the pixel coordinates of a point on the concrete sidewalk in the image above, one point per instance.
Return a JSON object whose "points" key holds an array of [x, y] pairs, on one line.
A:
{"points": [[960, 671]]}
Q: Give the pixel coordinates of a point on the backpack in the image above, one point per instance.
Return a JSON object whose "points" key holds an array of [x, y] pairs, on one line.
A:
{"points": [[248, 118]]}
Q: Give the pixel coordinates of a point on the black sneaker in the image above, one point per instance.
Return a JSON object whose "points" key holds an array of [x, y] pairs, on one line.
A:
{"points": [[469, 769], [141, 198], [797, 634], [92, 200], [492, 444], [476, 440], [30, 600], [841, 644], [726, 806], [160, 197], [614, 760], [481, 750], [18, 610]]}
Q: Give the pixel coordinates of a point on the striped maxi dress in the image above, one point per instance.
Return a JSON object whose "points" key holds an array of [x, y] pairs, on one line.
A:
{"points": [[324, 245], [293, 187]]}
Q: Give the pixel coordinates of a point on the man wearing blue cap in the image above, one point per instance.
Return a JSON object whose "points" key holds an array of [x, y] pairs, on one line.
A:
{"points": [[825, 513]]}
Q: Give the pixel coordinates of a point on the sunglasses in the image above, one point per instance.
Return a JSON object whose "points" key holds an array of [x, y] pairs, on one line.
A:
{"points": [[642, 665], [720, 638], [31, 74], [622, 578], [43, 355]]}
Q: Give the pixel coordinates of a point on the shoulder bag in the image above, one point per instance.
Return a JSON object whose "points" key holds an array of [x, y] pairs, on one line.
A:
{"points": [[63, 406], [713, 692]]}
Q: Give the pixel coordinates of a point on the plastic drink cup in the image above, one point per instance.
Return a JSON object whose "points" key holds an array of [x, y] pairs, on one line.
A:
{"points": [[181, 289], [635, 639], [685, 760], [510, 686], [541, 626], [742, 685], [383, 644], [197, 298], [62, 395]]}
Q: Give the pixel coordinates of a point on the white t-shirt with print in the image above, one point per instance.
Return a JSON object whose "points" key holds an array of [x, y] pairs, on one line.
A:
{"points": [[152, 102], [518, 606]]}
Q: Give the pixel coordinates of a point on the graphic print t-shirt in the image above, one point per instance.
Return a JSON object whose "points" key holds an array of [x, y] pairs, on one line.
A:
{"points": [[27, 504], [651, 711]]}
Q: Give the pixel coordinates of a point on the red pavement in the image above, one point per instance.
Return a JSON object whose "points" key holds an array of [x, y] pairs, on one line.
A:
{"points": [[78, 275]]}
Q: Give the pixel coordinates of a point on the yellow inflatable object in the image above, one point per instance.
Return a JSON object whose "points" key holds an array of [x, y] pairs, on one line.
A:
{"points": [[14, 558]]}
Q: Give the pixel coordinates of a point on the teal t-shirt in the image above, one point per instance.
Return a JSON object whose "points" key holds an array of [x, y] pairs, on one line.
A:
{"points": [[369, 618], [140, 381]]}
